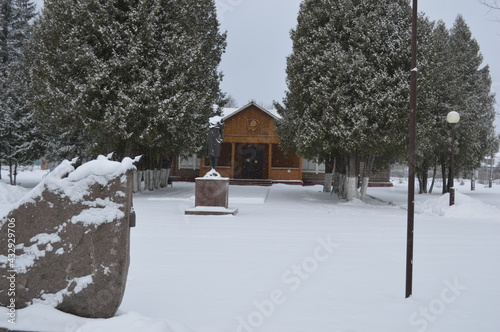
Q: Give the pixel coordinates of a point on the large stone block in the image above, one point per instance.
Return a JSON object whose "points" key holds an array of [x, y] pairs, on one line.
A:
{"points": [[71, 237], [211, 196], [212, 192]]}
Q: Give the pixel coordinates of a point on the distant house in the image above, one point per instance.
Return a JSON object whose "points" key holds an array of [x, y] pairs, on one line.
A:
{"points": [[251, 151]]}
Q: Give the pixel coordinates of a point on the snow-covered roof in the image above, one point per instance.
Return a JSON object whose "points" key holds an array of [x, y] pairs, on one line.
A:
{"points": [[229, 112]]}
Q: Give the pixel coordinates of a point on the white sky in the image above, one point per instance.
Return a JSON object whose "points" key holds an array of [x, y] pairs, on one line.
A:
{"points": [[259, 42]]}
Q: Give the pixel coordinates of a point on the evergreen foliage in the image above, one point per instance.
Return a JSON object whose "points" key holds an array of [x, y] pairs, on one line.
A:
{"points": [[347, 82], [130, 76], [348, 87], [472, 98], [18, 135], [452, 79]]}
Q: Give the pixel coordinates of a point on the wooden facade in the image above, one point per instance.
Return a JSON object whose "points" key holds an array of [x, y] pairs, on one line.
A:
{"points": [[250, 151], [250, 148]]}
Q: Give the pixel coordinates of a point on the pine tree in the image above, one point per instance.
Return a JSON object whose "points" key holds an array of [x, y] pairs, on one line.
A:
{"points": [[471, 97], [17, 133], [434, 97], [347, 83], [451, 79], [130, 76]]}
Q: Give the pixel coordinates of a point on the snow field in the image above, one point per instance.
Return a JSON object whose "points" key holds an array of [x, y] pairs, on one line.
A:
{"points": [[296, 259]]}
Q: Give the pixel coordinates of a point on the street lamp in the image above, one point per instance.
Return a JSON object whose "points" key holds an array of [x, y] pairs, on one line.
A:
{"points": [[453, 118], [490, 182]]}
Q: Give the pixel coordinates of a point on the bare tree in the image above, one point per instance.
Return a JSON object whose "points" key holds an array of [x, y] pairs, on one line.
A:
{"points": [[231, 102], [493, 4]]}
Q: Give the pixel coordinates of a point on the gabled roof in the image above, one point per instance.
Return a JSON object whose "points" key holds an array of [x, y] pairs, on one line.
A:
{"points": [[229, 112]]}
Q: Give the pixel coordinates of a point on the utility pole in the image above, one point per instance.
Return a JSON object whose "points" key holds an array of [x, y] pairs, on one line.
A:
{"points": [[411, 153]]}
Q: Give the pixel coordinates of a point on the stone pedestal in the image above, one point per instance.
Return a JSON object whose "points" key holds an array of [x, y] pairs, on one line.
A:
{"points": [[211, 197]]}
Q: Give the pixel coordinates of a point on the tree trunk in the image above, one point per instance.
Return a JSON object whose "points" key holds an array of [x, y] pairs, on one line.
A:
{"points": [[419, 178], [156, 178], [147, 179], [434, 172], [366, 176], [11, 173], [164, 174], [351, 181], [15, 173], [137, 181], [425, 178], [151, 179], [327, 185], [473, 180], [341, 188]]}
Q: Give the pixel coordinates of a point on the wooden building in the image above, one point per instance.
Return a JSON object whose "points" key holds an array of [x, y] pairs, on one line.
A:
{"points": [[250, 151], [250, 148]]}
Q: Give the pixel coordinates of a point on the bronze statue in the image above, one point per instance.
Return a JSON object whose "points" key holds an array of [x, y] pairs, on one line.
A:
{"points": [[214, 141]]}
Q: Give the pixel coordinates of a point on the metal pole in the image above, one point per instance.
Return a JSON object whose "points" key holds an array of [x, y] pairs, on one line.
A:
{"points": [[452, 168], [411, 153]]}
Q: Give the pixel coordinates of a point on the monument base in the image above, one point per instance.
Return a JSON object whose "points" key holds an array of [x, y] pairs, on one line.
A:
{"points": [[211, 197], [210, 211]]}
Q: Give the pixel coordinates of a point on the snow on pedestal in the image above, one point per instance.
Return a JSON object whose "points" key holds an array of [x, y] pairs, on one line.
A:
{"points": [[214, 175], [71, 236]]}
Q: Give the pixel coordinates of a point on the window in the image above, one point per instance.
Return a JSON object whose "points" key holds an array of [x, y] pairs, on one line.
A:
{"points": [[189, 162], [311, 166]]}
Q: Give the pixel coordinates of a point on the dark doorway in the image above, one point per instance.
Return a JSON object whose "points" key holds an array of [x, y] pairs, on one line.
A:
{"points": [[252, 163]]}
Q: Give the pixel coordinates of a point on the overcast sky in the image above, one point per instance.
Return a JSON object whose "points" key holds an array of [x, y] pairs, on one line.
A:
{"points": [[259, 42]]}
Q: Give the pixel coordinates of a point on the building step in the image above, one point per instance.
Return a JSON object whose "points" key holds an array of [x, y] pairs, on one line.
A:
{"points": [[251, 182]]}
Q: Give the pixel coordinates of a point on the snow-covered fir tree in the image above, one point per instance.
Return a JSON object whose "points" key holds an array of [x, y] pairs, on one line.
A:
{"points": [[347, 84], [18, 135], [471, 97], [434, 97], [130, 76], [451, 79]]}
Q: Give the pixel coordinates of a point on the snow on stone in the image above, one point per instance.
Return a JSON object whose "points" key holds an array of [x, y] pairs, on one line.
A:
{"points": [[100, 211], [55, 299], [28, 258], [106, 270], [99, 215], [32, 253], [44, 238], [74, 183]]}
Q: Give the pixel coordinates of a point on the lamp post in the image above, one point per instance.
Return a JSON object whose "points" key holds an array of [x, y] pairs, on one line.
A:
{"points": [[490, 182], [453, 118], [412, 117]]}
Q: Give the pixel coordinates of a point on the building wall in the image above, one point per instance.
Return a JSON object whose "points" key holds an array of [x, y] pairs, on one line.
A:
{"points": [[252, 127]]}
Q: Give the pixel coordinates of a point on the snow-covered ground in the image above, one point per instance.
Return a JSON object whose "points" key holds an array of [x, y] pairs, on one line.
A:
{"points": [[296, 259]]}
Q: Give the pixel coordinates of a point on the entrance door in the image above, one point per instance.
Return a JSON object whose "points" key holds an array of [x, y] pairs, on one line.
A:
{"points": [[252, 163]]}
